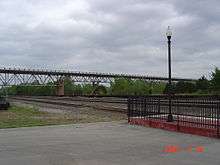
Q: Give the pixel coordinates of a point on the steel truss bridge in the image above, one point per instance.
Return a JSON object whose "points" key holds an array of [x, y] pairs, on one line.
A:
{"points": [[12, 76]]}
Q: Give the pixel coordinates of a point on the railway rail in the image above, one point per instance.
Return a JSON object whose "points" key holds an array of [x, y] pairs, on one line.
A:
{"points": [[116, 100], [72, 103], [119, 104]]}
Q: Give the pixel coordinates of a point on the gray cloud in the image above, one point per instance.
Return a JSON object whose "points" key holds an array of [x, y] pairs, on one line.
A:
{"points": [[124, 36]]}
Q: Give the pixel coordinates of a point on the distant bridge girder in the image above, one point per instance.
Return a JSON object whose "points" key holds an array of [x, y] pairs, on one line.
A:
{"points": [[9, 76]]}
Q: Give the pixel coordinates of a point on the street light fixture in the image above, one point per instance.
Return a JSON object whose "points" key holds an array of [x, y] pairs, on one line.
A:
{"points": [[169, 34]]}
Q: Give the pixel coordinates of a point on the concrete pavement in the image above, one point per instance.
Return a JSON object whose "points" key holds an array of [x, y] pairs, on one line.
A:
{"points": [[110, 143]]}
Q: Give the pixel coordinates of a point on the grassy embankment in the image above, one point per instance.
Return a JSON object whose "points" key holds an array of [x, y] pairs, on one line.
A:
{"points": [[21, 116]]}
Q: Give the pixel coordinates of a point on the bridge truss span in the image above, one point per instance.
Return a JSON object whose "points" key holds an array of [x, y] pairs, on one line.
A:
{"points": [[9, 76]]}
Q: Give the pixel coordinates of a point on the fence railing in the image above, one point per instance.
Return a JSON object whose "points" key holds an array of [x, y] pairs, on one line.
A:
{"points": [[193, 111]]}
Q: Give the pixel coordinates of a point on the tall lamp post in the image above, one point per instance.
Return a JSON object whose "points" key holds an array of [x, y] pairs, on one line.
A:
{"points": [[169, 34]]}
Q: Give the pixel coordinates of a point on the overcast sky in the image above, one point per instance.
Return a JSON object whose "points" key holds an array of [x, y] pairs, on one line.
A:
{"points": [[119, 36]]}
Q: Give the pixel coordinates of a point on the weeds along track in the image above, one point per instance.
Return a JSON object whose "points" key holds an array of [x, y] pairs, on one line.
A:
{"points": [[107, 104]]}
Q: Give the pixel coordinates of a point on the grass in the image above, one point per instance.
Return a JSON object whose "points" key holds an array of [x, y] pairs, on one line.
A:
{"points": [[26, 116]]}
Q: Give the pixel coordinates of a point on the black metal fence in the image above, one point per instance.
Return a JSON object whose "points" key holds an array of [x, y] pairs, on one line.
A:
{"points": [[193, 111]]}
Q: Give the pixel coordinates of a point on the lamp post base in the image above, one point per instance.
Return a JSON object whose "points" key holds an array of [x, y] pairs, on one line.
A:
{"points": [[170, 118]]}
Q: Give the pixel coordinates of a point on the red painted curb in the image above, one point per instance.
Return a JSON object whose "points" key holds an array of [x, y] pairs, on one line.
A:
{"points": [[174, 126]]}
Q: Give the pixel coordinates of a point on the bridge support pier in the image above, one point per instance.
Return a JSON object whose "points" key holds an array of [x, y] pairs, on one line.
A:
{"points": [[60, 88]]}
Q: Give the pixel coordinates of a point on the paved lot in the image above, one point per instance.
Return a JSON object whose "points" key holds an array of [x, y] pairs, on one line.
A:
{"points": [[103, 144]]}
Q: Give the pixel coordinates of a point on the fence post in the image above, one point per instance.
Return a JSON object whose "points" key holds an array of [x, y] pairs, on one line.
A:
{"points": [[159, 105], [129, 109], [177, 113], [158, 116], [218, 109], [145, 108], [142, 108]]}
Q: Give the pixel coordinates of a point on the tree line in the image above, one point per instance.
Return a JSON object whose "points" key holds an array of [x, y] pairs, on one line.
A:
{"points": [[201, 86], [120, 86]]}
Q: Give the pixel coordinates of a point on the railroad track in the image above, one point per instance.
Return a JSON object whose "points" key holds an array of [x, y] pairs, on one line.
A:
{"points": [[71, 103], [121, 101], [114, 100], [114, 103]]}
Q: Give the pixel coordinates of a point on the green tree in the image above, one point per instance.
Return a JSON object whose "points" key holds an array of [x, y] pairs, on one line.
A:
{"points": [[141, 87], [100, 90], [202, 85], [168, 89], [185, 87], [215, 81], [122, 86], [158, 87], [87, 89], [68, 87], [77, 89]]}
